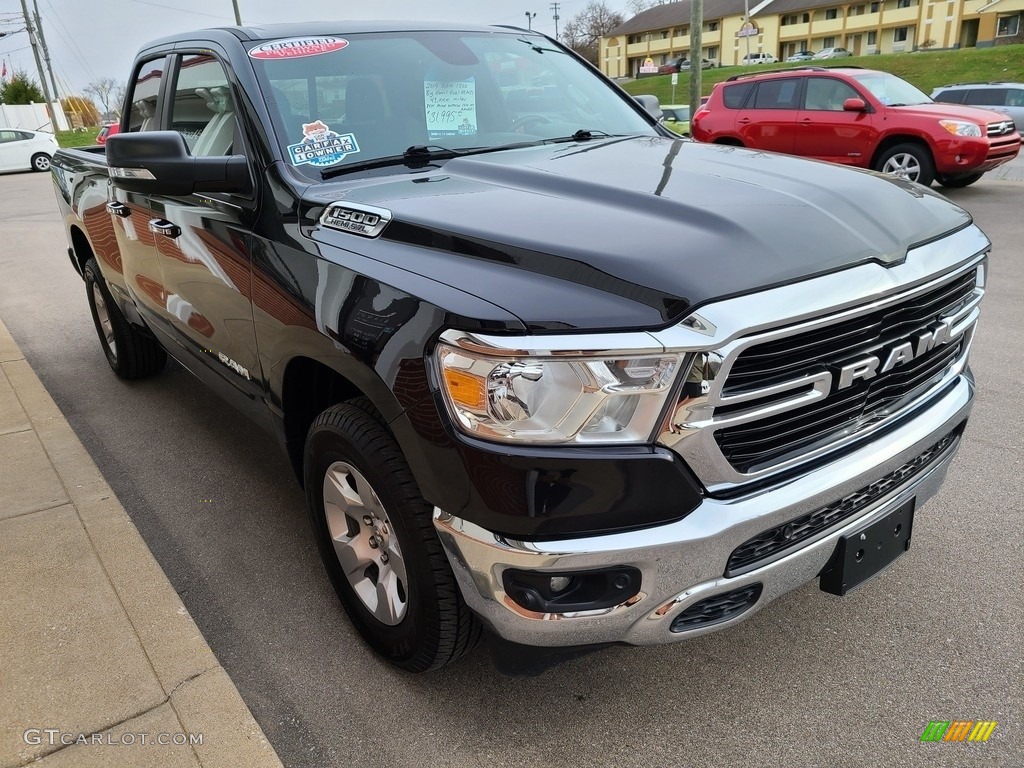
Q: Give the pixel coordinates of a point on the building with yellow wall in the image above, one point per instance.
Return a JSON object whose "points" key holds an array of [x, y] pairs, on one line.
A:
{"points": [[784, 27]]}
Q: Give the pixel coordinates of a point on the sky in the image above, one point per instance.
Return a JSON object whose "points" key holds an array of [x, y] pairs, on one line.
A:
{"points": [[91, 39]]}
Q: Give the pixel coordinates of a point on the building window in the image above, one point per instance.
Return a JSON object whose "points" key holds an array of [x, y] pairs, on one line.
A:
{"points": [[903, 3], [873, 37], [828, 42], [899, 35], [1008, 26], [713, 26], [634, 39], [874, 8], [833, 13], [858, 10], [678, 31], [713, 53]]}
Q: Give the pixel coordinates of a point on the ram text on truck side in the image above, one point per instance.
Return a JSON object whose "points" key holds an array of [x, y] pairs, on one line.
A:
{"points": [[539, 365]]}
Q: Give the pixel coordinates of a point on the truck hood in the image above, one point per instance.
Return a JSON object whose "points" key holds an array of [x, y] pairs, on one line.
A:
{"points": [[633, 233]]}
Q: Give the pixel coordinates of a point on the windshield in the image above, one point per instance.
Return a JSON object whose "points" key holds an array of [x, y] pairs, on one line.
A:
{"points": [[345, 100], [891, 90]]}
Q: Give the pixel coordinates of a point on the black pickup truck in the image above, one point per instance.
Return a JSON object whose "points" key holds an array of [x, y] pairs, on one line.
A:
{"points": [[539, 364]]}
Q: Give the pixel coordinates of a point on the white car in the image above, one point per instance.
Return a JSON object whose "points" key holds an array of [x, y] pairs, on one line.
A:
{"points": [[757, 58], [832, 53], [22, 150]]}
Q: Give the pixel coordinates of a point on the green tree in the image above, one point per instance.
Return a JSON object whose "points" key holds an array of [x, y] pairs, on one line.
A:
{"points": [[21, 89]]}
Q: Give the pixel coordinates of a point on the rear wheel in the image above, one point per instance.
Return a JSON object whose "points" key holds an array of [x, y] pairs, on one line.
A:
{"points": [[908, 161], [41, 162], [375, 533], [956, 182], [130, 352]]}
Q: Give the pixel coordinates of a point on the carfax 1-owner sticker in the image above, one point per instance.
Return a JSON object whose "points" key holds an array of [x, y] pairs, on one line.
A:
{"points": [[322, 146]]}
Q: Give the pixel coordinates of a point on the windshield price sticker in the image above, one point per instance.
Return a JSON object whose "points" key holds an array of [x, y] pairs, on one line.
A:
{"points": [[450, 107], [297, 48], [321, 146]]}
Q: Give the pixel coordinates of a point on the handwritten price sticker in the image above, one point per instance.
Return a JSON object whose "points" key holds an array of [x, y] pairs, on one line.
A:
{"points": [[450, 107]]}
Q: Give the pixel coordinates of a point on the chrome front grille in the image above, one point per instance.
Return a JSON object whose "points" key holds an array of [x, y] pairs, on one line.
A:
{"points": [[1002, 128], [776, 389], [762, 441]]}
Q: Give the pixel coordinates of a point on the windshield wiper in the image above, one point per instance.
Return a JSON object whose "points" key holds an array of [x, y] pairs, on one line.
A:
{"points": [[418, 156], [583, 134], [538, 48], [414, 155]]}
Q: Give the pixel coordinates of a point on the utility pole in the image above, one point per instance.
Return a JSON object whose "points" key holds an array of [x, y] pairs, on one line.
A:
{"points": [[39, 64], [554, 9], [238, 14], [529, 20], [696, 53], [746, 27], [46, 49]]}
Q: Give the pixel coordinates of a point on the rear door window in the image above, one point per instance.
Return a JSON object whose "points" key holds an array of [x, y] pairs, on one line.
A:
{"points": [[203, 110], [951, 96], [777, 94]]}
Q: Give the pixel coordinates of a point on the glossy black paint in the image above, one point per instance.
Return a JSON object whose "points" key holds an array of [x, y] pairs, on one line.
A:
{"points": [[615, 234]]}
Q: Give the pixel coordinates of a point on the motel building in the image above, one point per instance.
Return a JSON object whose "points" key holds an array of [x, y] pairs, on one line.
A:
{"points": [[784, 27]]}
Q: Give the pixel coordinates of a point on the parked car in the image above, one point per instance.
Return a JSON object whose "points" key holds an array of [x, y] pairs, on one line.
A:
{"points": [[108, 130], [681, 65], [1007, 98], [22, 150], [832, 53], [801, 56], [858, 117], [677, 118], [538, 365], [757, 58]]}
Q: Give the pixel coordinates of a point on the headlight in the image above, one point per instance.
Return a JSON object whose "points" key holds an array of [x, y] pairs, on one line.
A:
{"points": [[519, 397], [960, 128]]}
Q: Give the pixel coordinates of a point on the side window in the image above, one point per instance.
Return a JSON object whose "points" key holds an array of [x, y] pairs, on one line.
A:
{"points": [[734, 95], [993, 97], [145, 89], [6, 136], [1015, 97], [777, 94], [203, 110], [951, 96], [824, 93]]}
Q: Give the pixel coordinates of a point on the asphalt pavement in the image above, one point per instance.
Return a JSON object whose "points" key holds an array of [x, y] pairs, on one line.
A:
{"points": [[812, 680]]}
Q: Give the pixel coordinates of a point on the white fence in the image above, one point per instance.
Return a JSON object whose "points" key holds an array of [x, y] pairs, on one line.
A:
{"points": [[32, 117]]}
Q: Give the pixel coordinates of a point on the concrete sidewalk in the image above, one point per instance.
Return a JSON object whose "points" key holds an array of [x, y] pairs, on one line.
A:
{"points": [[100, 663]]}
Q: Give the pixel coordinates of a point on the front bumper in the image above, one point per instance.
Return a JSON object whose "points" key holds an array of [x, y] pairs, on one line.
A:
{"points": [[683, 563]]}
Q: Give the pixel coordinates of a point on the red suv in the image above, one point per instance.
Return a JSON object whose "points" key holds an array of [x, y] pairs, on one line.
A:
{"points": [[857, 117]]}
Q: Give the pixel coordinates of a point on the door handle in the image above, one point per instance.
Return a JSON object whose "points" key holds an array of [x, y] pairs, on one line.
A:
{"points": [[165, 228], [119, 209], [807, 121], [744, 120]]}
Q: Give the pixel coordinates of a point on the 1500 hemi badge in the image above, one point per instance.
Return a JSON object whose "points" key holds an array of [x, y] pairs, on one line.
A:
{"points": [[321, 145], [297, 47], [365, 220]]}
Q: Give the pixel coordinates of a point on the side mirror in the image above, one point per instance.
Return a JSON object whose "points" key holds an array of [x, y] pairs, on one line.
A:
{"points": [[650, 104], [158, 162], [855, 105]]}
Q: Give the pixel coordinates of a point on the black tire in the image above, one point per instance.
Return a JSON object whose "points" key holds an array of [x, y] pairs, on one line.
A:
{"points": [[957, 182], [436, 627], [130, 352], [915, 159], [40, 162]]}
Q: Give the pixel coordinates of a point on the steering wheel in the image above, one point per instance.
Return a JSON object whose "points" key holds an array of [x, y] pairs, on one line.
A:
{"points": [[520, 123]]}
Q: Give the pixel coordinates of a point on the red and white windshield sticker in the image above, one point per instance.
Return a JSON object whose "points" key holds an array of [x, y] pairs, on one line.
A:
{"points": [[297, 47]]}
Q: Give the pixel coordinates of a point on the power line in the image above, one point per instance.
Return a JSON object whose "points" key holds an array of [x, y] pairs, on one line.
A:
{"points": [[69, 39], [179, 10]]}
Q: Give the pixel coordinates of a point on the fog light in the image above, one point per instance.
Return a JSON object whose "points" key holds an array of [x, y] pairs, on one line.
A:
{"points": [[571, 591]]}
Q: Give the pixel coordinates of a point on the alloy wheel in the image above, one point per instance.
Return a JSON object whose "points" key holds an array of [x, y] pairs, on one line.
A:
{"points": [[903, 166], [103, 317]]}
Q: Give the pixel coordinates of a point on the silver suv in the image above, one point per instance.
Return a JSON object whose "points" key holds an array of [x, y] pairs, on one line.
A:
{"points": [[1007, 98]]}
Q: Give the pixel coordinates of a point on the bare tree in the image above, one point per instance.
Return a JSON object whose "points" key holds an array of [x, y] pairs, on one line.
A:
{"points": [[639, 6], [104, 90], [117, 99], [584, 31]]}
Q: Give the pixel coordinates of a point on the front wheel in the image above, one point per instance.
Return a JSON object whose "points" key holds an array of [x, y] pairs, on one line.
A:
{"points": [[908, 161], [41, 162], [130, 353], [376, 537], [957, 182]]}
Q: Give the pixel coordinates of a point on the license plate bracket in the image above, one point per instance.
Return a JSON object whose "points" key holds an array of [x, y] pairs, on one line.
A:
{"points": [[868, 550]]}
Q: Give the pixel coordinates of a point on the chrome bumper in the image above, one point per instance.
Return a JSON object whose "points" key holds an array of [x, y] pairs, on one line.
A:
{"points": [[682, 562]]}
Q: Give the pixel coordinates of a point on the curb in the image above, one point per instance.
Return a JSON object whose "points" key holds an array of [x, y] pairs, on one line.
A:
{"points": [[102, 651]]}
